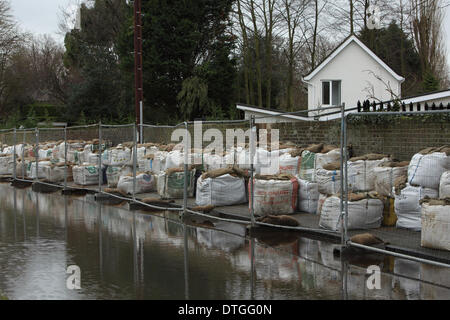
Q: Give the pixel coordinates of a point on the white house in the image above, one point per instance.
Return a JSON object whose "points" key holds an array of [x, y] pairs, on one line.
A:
{"points": [[350, 73]]}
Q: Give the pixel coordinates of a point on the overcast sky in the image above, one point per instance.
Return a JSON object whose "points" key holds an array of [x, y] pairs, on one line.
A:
{"points": [[42, 16]]}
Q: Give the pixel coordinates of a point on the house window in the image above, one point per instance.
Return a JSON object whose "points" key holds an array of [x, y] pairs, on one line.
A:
{"points": [[331, 93]]}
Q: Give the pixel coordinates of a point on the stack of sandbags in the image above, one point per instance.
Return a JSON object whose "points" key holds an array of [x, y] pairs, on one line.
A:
{"points": [[117, 156], [113, 174], [145, 182], [153, 162], [386, 174], [55, 172], [170, 183], [427, 167], [407, 206], [316, 157], [274, 195], [6, 164], [361, 176], [364, 212], [308, 196], [222, 187], [85, 174], [444, 185], [75, 150], [436, 224]]}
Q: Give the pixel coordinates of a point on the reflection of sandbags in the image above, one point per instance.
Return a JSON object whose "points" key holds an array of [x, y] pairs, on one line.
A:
{"points": [[274, 197], [85, 175], [435, 226], [408, 287], [329, 181], [435, 275], [171, 185], [144, 183], [361, 176], [220, 191], [426, 170], [407, 206], [362, 214], [308, 196], [385, 178], [113, 174], [444, 185]]}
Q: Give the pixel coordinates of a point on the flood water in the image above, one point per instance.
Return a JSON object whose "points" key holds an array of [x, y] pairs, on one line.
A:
{"points": [[135, 255]]}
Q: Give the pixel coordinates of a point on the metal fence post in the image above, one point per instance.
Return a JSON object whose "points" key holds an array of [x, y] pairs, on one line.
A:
{"points": [[37, 154], [100, 171], [23, 156], [65, 157], [14, 156], [345, 180], [252, 155], [341, 207], [134, 159], [186, 152]]}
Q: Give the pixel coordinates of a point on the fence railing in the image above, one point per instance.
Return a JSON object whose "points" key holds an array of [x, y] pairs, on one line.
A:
{"points": [[114, 160]]}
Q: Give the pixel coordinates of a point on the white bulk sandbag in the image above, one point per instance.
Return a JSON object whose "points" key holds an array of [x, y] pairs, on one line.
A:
{"points": [[308, 196], [153, 162], [308, 166], [243, 158], [8, 150], [385, 178], [45, 153], [287, 164], [113, 174], [145, 182], [85, 174], [435, 226], [91, 158], [212, 162], [361, 176], [362, 214], [224, 190], [426, 170], [407, 206], [56, 173], [174, 159], [172, 186], [117, 156], [274, 197], [444, 185], [320, 202], [329, 181], [40, 168], [322, 159], [7, 164]]}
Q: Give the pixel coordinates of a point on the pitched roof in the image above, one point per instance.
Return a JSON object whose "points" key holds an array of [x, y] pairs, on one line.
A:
{"points": [[341, 47]]}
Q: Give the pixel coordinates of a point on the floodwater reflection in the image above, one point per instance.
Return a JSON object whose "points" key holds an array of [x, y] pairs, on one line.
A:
{"points": [[133, 255]]}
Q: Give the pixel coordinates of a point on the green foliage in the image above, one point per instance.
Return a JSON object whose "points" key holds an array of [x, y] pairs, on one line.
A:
{"points": [[387, 44], [186, 52], [430, 83]]}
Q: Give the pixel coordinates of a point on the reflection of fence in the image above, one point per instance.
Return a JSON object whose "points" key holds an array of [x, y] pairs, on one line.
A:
{"points": [[98, 157]]}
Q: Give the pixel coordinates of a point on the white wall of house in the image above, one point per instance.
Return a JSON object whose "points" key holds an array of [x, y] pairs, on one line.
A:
{"points": [[353, 67]]}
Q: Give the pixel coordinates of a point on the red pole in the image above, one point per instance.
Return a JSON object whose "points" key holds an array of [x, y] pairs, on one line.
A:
{"points": [[138, 83]]}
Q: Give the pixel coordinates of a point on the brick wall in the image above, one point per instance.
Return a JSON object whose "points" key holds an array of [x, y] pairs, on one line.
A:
{"points": [[402, 138]]}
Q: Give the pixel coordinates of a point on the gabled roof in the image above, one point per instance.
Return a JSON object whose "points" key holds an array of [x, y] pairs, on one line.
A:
{"points": [[341, 47]]}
